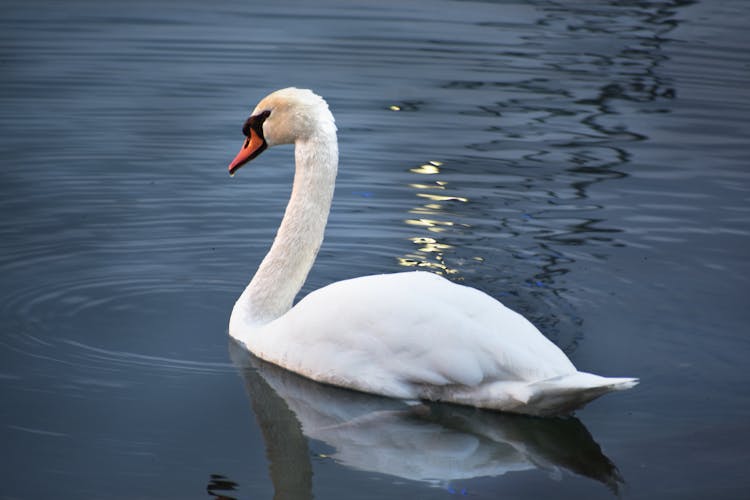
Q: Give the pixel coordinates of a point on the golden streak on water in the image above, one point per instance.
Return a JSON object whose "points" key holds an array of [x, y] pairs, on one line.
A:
{"points": [[429, 209], [429, 253], [429, 244], [394, 108], [427, 222], [437, 197], [429, 168], [415, 261], [426, 169], [435, 247], [437, 185]]}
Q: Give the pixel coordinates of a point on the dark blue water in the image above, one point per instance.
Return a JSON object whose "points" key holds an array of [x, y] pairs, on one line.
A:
{"points": [[586, 163]]}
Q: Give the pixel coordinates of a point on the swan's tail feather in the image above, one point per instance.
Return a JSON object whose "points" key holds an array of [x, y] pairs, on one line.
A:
{"points": [[562, 395]]}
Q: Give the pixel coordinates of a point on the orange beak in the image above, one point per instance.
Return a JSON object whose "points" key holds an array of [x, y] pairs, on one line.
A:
{"points": [[253, 146]]}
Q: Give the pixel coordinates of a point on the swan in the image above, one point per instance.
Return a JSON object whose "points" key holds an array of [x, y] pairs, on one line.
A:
{"points": [[408, 335]]}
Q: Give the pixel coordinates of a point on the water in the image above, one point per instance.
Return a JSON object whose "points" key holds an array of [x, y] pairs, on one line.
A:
{"points": [[586, 163]]}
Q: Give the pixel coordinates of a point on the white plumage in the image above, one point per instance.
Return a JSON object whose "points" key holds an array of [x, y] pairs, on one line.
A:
{"points": [[412, 335]]}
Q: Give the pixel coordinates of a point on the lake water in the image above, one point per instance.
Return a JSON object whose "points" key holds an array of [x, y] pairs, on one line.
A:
{"points": [[584, 162]]}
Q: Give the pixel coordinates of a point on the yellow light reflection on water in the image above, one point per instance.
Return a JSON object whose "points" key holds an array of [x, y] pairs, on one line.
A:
{"points": [[430, 244], [429, 168], [430, 224], [430, 251], [412, 260], [437, 197], [428, 186]]}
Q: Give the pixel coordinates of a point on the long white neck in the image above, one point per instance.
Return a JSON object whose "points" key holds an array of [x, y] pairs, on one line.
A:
{"points": [[283, 271]]}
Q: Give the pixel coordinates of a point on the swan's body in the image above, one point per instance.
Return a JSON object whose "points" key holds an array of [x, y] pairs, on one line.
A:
{"points": [[408, 335]]}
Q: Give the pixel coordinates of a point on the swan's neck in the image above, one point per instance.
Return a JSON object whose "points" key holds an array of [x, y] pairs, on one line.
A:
{"points": [[284, 269]]}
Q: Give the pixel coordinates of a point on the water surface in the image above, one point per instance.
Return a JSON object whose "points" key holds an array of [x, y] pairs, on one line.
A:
{"points": [[585, 163]]}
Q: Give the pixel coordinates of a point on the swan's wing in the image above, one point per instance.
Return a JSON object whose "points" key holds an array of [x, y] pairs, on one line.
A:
{"points": [[395, 333]]}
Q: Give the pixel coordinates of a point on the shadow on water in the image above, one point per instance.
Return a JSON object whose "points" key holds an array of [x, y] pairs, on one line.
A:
{"points": [[430, 443], [218, 485]]}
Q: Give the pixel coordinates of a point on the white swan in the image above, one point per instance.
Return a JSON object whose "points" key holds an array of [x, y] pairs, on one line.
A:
{"points": [[412, 335]]}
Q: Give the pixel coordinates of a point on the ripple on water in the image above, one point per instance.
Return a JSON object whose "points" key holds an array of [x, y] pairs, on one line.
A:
{"points": [[84, 334]]}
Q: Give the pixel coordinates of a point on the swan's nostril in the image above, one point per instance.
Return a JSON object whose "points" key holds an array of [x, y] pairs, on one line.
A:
{"points": [[247, 143]]}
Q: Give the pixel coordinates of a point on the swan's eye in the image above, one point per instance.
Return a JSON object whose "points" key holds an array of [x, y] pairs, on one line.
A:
{"points": [[255, 122]]}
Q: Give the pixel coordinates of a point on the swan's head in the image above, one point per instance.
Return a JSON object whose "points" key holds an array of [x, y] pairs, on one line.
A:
{"points": [[283, 117]]}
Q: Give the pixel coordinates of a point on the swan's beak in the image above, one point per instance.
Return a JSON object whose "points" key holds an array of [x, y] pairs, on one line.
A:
{"points": [[253, 146]]}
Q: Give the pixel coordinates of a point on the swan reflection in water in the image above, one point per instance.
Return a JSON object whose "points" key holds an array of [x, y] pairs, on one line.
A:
{"points": [[427, 442]]}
